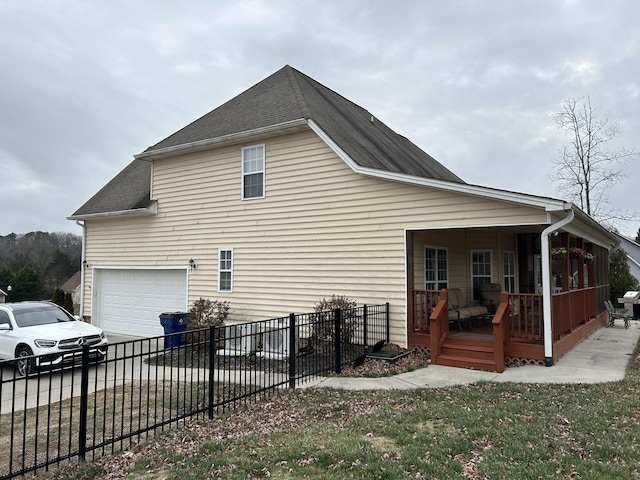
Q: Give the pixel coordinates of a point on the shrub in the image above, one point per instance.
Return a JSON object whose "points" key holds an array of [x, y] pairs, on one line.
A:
{"points": [[205, 313], [58, 297], [324, 325], [68, 303]]}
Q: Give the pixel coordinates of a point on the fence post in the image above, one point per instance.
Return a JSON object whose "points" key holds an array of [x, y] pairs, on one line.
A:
{"points": [[212, 354], [84, 403], [337, 316], [364, 314], [292, 350], [388, 321]]}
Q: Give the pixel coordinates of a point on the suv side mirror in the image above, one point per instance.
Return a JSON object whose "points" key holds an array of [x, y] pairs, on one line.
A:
{"points": [[5, 327]]}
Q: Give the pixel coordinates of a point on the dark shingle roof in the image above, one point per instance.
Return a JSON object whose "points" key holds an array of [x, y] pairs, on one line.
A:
{"points": [[289, 95], [129, 190], [285, 96]]}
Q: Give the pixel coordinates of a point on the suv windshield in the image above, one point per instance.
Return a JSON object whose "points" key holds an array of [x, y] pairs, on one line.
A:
{"points": [[41, 315]]}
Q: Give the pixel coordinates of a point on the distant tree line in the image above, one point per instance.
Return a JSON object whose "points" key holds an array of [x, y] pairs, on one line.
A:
{"points": [[36, 263]]}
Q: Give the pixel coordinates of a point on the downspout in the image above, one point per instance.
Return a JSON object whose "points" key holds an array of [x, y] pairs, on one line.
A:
{"points": [[546, 284], [82, 269]]}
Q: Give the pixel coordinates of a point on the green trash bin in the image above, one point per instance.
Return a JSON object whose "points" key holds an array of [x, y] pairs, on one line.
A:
{"points": [[173, 323]]}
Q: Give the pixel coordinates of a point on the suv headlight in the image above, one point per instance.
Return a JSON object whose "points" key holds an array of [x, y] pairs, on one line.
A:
{"points": [[40, 343]]}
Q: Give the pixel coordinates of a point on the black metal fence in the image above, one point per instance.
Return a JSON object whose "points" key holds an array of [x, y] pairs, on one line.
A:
{"points": [[148, 385]]}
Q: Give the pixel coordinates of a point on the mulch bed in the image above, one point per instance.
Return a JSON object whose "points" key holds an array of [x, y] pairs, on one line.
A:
{"points": [[306, 361]]}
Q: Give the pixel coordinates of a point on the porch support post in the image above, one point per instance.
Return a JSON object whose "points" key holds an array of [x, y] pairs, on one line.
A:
{"points": [[546, 284]]}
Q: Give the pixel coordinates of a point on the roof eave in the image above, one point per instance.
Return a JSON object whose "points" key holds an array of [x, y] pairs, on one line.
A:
{"points": [[152, 209], [285, 127], [548, 204]]}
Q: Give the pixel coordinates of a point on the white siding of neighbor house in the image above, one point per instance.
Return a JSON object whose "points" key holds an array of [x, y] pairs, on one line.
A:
{"points": [[321, 229]]}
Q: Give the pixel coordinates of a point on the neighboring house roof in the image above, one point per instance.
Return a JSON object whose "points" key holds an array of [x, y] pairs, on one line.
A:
{"points": [[2, 292], [632, 249], [73, 283]]}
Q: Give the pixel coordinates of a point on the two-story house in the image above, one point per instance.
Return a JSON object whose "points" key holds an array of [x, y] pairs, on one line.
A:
{"points": [[289, 193]]}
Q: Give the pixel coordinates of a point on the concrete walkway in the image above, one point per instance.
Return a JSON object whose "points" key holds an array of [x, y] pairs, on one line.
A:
{"points": [[602, 357]]}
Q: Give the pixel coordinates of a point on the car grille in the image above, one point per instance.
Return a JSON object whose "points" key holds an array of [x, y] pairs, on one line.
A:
{"points": [[78, 342]]}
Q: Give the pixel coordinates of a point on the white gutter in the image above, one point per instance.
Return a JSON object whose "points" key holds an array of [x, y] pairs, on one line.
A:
{"points": [[546, 283], [150, 210], [82, 269]]}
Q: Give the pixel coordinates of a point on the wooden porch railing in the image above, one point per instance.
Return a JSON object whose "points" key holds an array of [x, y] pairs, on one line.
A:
{"points": [[500, 324], [439, 327], [524, 311], [424, 303], [571, 309], [518, 321]]}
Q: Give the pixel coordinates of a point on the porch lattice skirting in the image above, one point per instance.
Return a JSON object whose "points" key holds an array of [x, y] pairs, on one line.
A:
{"points": [[521, 362], [508, 361]]}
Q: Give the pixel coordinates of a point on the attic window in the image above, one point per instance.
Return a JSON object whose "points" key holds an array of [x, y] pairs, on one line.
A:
{"points": [[253, 172]]}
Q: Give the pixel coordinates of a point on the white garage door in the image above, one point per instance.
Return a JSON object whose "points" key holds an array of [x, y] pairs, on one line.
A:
{"points": [[130, 301]]}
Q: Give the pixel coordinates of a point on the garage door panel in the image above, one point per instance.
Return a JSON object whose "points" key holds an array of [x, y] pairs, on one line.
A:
{"points": [[130, 301]]}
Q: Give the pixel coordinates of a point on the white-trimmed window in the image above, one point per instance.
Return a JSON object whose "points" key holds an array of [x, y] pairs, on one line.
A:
{"points": [[509, 271], [480, 270], [225, 269], [436, 268], [253, 172]]}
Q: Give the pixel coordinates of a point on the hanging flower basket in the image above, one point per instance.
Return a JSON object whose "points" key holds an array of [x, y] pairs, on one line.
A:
{"points": [[588, 257], [575, 252], [558, 253]]}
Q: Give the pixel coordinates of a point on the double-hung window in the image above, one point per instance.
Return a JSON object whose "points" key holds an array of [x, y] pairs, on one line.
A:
{"points": [[436, 268], [253, 172], [225, 269], [480, 270]]}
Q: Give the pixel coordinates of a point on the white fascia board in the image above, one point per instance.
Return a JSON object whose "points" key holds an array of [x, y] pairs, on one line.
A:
{"points": [[150, 210], [586, 227], [548, 204], [292, 125]]}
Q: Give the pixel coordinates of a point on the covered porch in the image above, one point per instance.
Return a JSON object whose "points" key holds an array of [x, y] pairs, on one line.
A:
{"points": [[553, 285]]}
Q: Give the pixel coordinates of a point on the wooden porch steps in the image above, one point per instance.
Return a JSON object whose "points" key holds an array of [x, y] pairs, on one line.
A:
{"points": [[476, 354]]}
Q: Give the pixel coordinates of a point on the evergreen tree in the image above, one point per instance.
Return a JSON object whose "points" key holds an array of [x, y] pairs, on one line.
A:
{"points": [[27, 285], [620, 278], [58, 297], [6, 280], [638, 236], [68, 303]]}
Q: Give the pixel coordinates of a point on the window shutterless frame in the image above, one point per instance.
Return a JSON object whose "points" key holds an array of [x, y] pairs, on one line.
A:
{"points": [[225, 269], [481, 270], [253, 172], [436, 268]]}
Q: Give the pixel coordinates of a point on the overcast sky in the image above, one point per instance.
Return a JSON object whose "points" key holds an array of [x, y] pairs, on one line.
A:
{"points": [[85, 85]]}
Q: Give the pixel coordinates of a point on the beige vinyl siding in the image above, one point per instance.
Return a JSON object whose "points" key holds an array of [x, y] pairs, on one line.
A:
{"points": [[320, 230]]}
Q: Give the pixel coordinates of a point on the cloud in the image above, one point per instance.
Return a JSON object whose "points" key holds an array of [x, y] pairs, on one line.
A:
{"points": [[85, 86]]}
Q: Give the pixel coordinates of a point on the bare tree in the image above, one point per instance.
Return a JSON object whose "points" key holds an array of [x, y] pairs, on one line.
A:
{"points": [[587, 169]]}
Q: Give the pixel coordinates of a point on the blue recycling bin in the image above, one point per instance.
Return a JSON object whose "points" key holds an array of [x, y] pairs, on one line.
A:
{"points": [[173, 322]]}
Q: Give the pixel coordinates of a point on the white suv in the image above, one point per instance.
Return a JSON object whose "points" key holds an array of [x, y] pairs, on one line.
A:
{"points": [[36, 334]]}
